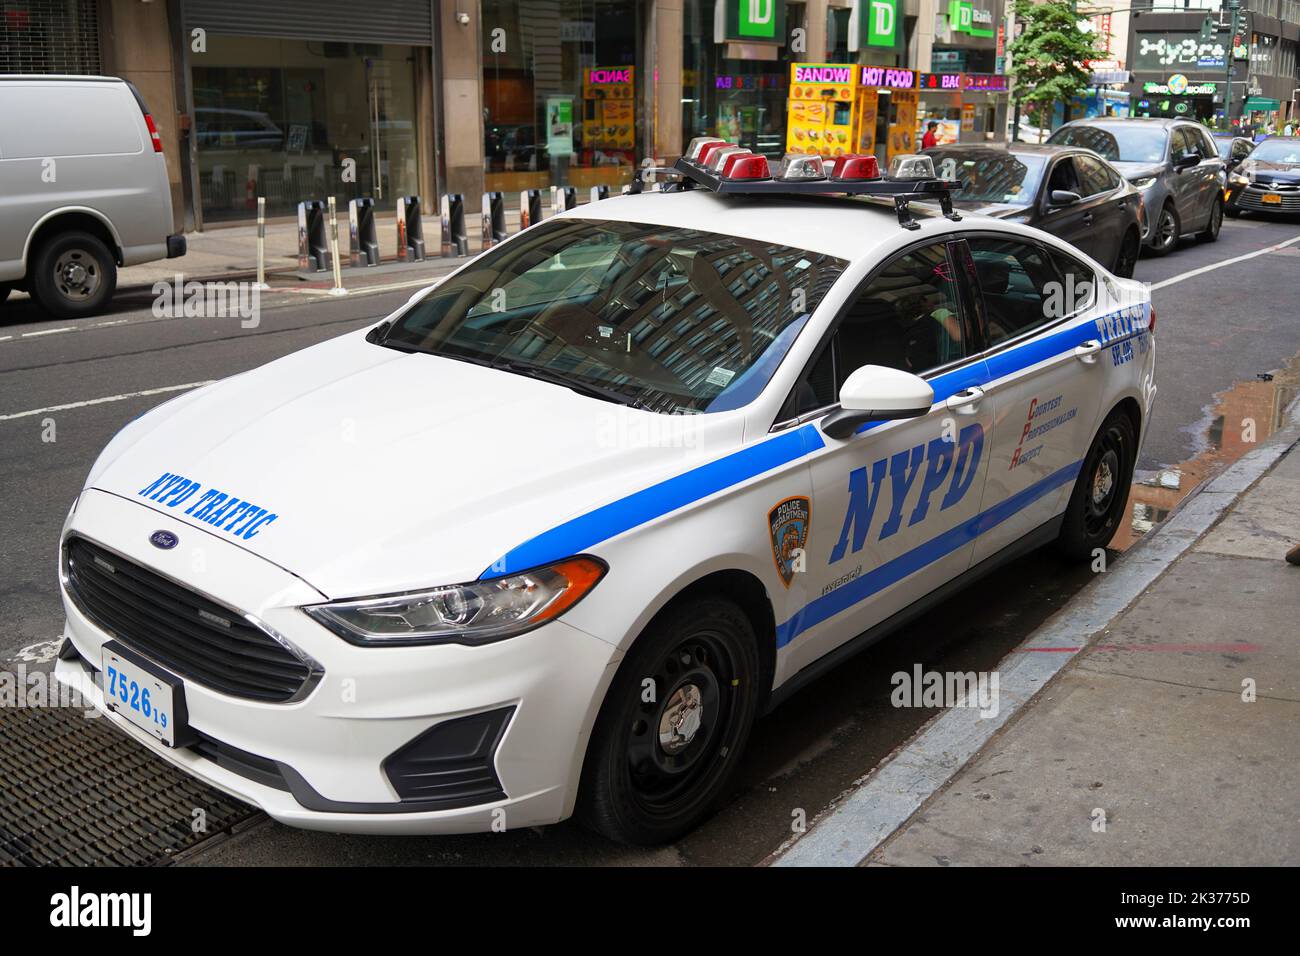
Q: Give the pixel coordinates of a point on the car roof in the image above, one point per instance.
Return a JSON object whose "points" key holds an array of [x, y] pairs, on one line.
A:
{"points": [[1037, 149], [1164, 122], [832, 225], [58, 78]]}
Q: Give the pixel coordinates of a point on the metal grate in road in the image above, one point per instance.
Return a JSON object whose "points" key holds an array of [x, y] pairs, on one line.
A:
{"points": [[76, 792]]}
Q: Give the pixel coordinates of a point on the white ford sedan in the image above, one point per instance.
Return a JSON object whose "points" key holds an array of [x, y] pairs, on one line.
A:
{"points": [[550, 537]]}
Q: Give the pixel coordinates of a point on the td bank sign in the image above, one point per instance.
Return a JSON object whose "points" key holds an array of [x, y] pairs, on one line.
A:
{"points": [[873, 23], [965, 17], [761, 20]]}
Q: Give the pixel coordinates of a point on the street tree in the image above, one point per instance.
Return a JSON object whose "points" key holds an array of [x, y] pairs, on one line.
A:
{"points": [[1049, 59]]}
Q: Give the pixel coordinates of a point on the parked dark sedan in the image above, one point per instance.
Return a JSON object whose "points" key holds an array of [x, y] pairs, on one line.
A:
{"points": [[1070, 192], [1268, 179]]}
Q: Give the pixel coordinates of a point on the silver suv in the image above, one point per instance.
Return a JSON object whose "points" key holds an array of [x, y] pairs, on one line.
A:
{"points": [[83, 189], [1174, 163]]}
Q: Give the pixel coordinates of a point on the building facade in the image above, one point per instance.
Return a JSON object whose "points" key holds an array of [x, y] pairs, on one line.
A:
{"points": [[1181, 70], [302, 99]]}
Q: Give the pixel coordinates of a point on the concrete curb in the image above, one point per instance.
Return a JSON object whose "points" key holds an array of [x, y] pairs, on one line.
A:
{"points": [[886, 799]]}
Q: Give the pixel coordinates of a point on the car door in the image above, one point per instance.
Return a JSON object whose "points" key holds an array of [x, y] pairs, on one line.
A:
{"points": [[1044, 379], [1208, 173], [1069, 222], [893, 505], [1104, 209]]}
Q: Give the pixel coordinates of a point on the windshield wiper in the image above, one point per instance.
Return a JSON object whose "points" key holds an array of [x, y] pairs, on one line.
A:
{"points": [[556, 378]]}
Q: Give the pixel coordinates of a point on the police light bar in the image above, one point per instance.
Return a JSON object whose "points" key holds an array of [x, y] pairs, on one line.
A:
{"points": [[855, 168], [797, 167], [911, 166], [708, 149], [718, 157], [698, 143]]}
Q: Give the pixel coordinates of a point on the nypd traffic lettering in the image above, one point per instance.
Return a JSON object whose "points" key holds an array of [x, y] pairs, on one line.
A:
{"points": [[932, 462], [224, 511]]}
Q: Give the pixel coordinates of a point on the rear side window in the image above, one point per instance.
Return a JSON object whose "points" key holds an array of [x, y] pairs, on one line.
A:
{"points": [[1019, 285], [1079, 283], [37, 126]]}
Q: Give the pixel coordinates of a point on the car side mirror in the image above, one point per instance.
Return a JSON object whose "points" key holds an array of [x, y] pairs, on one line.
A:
{"points": [[875, 393], [1187, 160], [1064, 197]]}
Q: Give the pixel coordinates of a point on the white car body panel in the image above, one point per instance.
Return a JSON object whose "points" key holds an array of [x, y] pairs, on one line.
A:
{"points": [[390, 471]]}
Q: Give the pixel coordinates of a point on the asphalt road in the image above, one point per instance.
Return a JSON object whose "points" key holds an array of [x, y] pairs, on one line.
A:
{"points": [[1215, 328]]}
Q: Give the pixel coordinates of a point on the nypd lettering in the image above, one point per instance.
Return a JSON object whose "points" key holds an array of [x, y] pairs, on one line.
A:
{"points": [[931, 464], [223, 511]]}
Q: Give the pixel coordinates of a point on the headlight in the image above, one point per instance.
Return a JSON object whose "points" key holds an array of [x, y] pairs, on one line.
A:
{"points": [[1238, 180], [1146, 182], [476, 613]]}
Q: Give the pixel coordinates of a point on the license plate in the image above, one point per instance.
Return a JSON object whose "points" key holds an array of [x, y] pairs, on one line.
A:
{"points": [[1272, 199], [144, 694]]}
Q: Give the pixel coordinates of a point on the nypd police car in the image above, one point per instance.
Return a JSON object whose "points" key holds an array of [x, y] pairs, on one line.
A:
{"points": [[547, 540]]}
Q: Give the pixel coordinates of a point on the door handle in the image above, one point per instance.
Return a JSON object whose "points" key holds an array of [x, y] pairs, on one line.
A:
{"points": [[1087, 352], [1087, 219], [966, 401]]}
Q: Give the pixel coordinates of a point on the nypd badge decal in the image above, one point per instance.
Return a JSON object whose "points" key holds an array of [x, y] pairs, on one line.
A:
{"points": [[788, 523]]}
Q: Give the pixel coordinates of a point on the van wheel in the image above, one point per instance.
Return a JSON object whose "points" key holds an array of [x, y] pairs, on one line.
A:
{"points": [[1212, 228], [1100, 492], [1168, 228], [673, 725], [74, 275]]}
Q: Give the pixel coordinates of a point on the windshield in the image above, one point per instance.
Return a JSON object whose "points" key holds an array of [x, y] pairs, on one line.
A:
{"points": [[992, 176], [668, 319], [1119, 143], [1277, 151]]}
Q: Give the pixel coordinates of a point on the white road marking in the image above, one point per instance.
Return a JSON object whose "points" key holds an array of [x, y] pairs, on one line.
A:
{"points": [[1226, 262], [107, 398]]}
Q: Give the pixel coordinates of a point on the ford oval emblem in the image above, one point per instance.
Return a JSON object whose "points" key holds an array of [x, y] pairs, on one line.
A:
{"points": [[163, 539]]}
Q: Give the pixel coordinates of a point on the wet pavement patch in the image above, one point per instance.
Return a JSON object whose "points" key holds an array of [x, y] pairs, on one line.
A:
{"points": [[76, 792]]}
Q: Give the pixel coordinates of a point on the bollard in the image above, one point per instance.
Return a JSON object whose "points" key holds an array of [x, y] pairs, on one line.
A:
{"points": [[494, 219], [363, 240], [554, 202], [313, 245], [569, 197], [530, 208], [455, 238], [261, 245], [334, 251], [599, 192], [410, 229]]}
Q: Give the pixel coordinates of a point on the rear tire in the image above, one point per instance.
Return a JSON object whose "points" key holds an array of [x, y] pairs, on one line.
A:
{"points": [[655, 769], [1167, 230], [1211, 232], [73, 275], [1096, 505]]}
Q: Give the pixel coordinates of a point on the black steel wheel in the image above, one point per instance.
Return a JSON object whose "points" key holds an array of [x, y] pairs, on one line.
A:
{"points": [[1101, 491], [673, 724]]}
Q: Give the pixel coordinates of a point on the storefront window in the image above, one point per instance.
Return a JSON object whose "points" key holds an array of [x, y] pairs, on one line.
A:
{"points": [[299, 119], [735, 90], [560, 93]]}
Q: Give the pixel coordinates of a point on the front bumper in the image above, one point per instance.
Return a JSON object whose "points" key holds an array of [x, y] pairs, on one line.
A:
{"points": [[176, 246], [320, 762], [1251, 198]]}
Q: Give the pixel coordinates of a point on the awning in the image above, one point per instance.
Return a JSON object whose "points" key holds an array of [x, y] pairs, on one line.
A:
{"points": [[1261, 104]]}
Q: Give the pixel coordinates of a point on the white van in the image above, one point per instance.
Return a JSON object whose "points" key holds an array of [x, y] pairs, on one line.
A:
{"points": [[83, 189]]}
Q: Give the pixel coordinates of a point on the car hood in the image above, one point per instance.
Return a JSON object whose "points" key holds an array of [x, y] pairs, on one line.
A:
{"points": [[388, 471], [1265, 172], [1131, 171]]}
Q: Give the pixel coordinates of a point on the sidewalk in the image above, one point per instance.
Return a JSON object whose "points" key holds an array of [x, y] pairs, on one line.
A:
{"points": [[230, 252], [1145, 729]]}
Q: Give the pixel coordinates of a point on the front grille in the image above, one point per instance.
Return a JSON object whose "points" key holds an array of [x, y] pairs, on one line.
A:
{"points": [[188, 634], [1252, 198]]}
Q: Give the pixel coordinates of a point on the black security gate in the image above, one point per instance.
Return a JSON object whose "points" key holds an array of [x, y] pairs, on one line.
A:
{"points": [[49, 36]]}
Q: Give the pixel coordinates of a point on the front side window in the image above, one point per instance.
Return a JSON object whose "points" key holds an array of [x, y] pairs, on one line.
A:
{"points": [[1018, 284], [1094, 177], [668, 319], [907, 317]]}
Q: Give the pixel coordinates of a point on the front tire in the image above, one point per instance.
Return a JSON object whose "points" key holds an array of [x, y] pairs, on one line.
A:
{"points": [[1096, 505], [1212, 228], [1167, 230], [74, 275], [673, 725]]}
